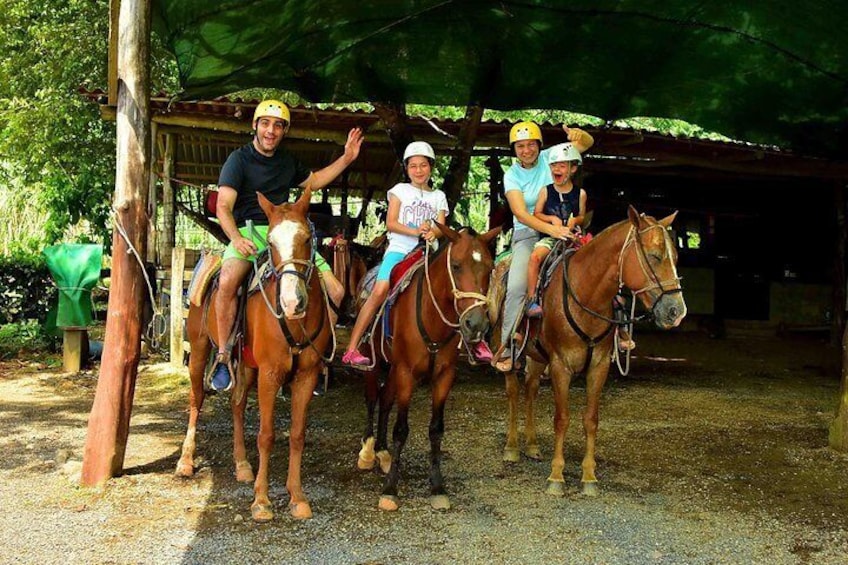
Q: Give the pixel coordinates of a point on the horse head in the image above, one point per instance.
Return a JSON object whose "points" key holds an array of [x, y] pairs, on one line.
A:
{"points": [[292, 254], [470, 264], [648, 267]]}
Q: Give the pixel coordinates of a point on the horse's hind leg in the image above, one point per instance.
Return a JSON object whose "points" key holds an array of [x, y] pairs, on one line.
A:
{"points": [[560, 379], [200, 348], [405, 383], [595, 379], [243, 471], [367, 456], [441, 388], [531, 391]]}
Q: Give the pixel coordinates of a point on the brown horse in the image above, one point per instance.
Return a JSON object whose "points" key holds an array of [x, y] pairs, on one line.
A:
{"points": [[575, 334], [287, 332], [446, 299]]}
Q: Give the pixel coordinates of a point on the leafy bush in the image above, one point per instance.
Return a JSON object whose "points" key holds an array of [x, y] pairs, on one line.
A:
{"points": [[26, 288], [25, 337]]}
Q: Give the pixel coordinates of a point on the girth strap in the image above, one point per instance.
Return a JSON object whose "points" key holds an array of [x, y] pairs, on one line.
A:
{"points": [[590, 342]]}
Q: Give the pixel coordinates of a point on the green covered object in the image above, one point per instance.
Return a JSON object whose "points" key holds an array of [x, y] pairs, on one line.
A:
{"points": [[75, 269], [771, 72]]}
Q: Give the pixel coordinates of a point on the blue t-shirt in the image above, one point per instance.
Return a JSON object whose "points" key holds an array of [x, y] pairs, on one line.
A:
{"points": [[529, 182]]}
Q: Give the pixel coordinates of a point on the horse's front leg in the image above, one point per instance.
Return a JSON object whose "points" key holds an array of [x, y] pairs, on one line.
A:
{"points": [[197, 364], [531, 391], [387, 400], [511, 453], [560, 379], [404, 383], [243, 470], [268, 385], [367, 455], [301, 394], [441, 389], [595, 379]]}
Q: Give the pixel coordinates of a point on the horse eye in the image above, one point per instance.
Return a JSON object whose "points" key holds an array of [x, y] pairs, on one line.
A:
{"points": [[456, 267]]}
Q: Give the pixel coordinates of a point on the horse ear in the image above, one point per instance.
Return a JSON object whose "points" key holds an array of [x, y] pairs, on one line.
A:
{"points": [[449, 233], [633, 215], [665, 222], [302, 204], [587, 219], [266, 205], [487, 237]]}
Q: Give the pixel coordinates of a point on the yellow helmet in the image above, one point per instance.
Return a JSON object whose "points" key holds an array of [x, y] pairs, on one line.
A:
{"points": [[525, 130], [272, 109]]}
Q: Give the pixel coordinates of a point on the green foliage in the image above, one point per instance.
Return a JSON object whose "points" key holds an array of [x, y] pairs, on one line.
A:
{"points": [[26, 288], [25, 337]]}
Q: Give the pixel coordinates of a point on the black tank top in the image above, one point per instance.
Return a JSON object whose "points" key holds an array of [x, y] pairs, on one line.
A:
{"points": [[561, 204]]}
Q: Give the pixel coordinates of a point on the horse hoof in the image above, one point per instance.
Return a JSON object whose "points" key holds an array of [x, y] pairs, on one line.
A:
{"points": [[366, 455], [532, 452], [590, 489], [184, 469], [261, 513], [511, 455], [385, 459], [388, 503], [556, 488], [300, 510], [244, 472], [440, 502]]}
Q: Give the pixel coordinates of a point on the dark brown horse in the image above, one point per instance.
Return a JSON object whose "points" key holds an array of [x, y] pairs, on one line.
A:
{"points": [[575, 334], [443, 301], [287, 332]]}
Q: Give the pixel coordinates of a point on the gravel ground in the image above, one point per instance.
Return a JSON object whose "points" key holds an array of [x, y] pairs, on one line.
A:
{"points": [[697, 463]]}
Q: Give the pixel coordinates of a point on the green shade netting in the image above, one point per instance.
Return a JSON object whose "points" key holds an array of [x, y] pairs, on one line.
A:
{"points": [[75, 269], [768, 71]]}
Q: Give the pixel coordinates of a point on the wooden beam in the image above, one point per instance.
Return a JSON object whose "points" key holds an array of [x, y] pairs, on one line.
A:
{"points": [[109, 421]]}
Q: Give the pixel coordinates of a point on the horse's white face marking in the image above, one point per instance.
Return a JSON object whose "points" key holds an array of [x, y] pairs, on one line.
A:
{"points": [[282, 237], [476, 256]]}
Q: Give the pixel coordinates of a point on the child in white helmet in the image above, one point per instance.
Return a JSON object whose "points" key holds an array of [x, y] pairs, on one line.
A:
{"points": [[560, 203], [412, 206]]}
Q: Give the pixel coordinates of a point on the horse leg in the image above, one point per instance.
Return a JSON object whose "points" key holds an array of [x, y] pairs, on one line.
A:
{"points": [[560, 379], [367, 456], [404, 384], [441, 388], [595, 379], [511, 454], [197, 364], [301, 391], [387, 401], [244, 472], [531, 391], [261, 509]]}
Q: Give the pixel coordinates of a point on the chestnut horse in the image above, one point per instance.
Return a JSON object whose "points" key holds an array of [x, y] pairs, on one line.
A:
{"points": [[575, 333], [445, 299], [287, 331]]}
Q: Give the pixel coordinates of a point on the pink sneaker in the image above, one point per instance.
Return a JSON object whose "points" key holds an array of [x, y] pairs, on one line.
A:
{"points": [[481, 352], [356, 359]]}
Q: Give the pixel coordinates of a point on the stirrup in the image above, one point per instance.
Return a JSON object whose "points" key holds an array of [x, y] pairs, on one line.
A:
{"points": [[220, 376]]}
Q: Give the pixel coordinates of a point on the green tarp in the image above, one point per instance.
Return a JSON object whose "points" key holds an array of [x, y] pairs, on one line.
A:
{"points": [[769, 71], [75, 269]]}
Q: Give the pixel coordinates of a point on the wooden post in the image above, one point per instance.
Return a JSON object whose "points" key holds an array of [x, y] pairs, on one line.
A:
{"points": [[461, 161], [112, 62], [838, 437], [72, 349], [152, 200], [177, 268], [169, 230], [108, 423]]}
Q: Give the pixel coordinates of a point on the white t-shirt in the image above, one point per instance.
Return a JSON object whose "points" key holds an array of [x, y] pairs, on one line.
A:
{"points": [[416, 206]]}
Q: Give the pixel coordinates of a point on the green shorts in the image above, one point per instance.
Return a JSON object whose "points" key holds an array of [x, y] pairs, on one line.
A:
{"points": [[260, 239], [546, 242]]}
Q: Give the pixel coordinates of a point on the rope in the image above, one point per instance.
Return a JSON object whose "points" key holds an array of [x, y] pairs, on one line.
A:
{"points": [[158, 325]]}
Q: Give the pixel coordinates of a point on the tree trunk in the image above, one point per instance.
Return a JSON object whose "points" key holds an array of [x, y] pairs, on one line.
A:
{"points": [[108, 424], [461, 161], [394, 117]]}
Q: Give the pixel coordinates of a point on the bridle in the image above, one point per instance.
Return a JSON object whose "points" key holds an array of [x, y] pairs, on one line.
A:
{"points": [[479, 299]]}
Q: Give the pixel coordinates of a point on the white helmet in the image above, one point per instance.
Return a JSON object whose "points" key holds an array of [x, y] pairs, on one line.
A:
{"points": [[564, 152], [419, 148]]}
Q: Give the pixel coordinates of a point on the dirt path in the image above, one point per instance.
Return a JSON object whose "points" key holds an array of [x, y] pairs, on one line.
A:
{"points": [[711, 451]]}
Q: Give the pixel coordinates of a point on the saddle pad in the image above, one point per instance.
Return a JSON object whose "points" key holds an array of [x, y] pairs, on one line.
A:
{"points": [[405, 265], [204, 273]]}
